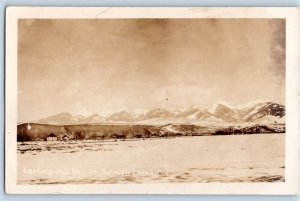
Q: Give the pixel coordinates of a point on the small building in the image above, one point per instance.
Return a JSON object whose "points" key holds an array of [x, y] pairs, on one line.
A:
{"points": [[65, 138], [138, 135], [52, 137], [116, 136]]}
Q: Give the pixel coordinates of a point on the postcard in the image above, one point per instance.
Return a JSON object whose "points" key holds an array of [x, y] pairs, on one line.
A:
{"points": [[152, 100]]}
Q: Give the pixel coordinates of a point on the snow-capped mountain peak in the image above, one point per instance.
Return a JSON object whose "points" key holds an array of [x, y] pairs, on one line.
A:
{"points": [[219, 112]]}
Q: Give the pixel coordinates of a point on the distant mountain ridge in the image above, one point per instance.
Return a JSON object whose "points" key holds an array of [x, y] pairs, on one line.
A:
{"points": [[267, 112]]}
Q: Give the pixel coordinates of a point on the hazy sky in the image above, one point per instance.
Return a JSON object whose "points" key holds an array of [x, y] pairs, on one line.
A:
{"points": [[93, 66]]}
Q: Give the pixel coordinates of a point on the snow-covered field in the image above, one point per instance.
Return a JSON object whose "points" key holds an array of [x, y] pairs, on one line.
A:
{"points": [[232, 158]]}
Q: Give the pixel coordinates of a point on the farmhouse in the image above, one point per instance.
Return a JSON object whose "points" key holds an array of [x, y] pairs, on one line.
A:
{"points": [[52, 137]]}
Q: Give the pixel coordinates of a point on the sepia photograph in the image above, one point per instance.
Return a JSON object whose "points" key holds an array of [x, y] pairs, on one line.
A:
{"points": [[157, 100]]}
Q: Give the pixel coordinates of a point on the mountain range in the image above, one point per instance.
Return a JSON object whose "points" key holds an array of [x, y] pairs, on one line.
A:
{"points": [[259, 112]]}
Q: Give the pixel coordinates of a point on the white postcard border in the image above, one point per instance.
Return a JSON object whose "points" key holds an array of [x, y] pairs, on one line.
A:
{"points": [[290, 186]]}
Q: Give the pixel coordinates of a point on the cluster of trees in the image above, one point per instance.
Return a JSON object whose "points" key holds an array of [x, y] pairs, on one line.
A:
{"points": [[145, 133], [125, 134], [248, 130]]}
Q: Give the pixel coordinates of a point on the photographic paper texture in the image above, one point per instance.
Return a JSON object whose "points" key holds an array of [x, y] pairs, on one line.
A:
{"points": [[152, 100]]}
